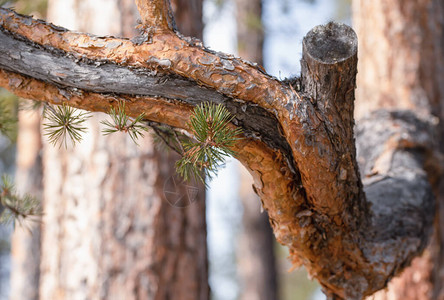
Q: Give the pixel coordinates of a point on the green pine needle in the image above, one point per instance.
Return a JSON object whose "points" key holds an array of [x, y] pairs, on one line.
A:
{"points": [[15, 207], [63, 123], [121, 122], [214, 140]]}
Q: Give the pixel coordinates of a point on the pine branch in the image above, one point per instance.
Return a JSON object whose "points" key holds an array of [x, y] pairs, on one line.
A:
{"points": [[14, 207], [214, 139], [121, 122], [63, 123]]}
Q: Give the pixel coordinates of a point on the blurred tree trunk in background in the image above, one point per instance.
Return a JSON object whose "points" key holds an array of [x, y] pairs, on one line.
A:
{"points": [[25, 241], [256, 257], [109, 230], [188, 15], [401, 66], [25, 244]]}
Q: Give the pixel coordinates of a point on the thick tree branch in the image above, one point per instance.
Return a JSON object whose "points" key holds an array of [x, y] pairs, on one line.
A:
{"points": [[269, 168], [165, 54], [299, 146]]}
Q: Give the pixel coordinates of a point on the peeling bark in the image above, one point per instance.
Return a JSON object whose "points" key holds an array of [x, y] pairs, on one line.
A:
{"points": [[312, 190]]}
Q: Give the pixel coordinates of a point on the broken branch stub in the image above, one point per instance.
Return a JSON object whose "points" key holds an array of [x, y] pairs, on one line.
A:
{"points": [[364, 237], [329, 67]]}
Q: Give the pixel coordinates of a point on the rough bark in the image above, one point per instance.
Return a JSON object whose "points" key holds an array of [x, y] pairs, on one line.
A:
{"points": [[255, 251], [313, 193], [401, 66], [25, 243], [113, 231]]}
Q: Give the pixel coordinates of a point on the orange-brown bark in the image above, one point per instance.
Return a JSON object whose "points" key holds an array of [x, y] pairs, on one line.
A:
{"points": [[227, 75], [273, 179], [166, 53], [305, 170], [156, 15]]}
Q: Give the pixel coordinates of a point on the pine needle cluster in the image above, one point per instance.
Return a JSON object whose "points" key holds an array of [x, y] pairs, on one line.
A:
{"points": [[64, 123], [15, 207], [213, 142], [121, 122]]}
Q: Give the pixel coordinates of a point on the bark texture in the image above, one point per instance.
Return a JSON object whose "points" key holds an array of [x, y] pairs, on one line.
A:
{"points": [[25, 244], [256, 257], [401, 67], [306, 172], [118, 229]]}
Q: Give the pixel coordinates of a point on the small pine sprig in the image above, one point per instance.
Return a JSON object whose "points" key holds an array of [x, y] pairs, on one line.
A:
{"points": [[214, 139], [14, 207], [123, 123], [63, 123]]}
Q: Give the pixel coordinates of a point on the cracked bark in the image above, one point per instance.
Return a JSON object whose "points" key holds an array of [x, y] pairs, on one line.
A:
{"points": [[343, 229], [401, 67]]}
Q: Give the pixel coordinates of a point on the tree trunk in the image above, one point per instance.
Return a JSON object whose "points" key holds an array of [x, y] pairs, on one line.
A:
{"points": [[256, 257], [401, 66], [113, 226], [25, 244]]}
